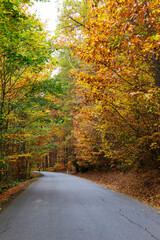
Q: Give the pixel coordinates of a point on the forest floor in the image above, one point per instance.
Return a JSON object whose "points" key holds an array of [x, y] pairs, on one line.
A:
{"points": [[144, 187], [12, 192]]}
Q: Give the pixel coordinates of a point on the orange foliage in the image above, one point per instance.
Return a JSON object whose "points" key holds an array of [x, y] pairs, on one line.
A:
{"points": [[119, 90]]}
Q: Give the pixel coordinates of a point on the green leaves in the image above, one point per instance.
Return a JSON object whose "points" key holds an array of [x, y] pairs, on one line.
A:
{"points": [[26, 88]]}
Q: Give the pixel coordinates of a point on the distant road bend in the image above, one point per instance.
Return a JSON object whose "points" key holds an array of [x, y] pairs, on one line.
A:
{"points": [[63, 207]]}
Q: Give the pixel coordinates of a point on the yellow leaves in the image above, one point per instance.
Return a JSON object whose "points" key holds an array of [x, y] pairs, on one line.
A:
{"points": [[13, 158], [2, 161], [116, 105], [154, 145], [155, 37], [129, 162], [27, 135], [148, 95]]}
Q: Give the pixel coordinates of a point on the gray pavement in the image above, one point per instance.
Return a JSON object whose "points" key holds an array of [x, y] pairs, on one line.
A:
{"points": [[63, 207]]}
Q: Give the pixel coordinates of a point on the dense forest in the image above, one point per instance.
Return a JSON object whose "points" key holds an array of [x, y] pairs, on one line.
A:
{"points": [[101, 110]]}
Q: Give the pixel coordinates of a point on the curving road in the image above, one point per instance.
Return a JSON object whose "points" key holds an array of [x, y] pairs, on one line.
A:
{"points": [[63, 207]]}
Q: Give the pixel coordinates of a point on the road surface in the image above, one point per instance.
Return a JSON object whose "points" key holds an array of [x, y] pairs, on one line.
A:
{"points": [[63, 207]]}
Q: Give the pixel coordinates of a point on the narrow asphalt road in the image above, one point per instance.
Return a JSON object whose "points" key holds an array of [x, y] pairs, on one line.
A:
{"points": [[63, 207]]}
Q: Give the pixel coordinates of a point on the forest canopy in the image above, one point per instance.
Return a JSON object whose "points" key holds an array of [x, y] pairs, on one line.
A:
{"points": [[101, 110]]}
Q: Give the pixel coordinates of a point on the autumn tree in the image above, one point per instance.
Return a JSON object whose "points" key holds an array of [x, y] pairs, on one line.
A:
{"points": [[26, 64], [119, 86]]}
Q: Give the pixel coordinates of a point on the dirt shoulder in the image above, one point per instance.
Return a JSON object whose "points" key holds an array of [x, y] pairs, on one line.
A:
{"points": [[11, 193], [141, 186]]}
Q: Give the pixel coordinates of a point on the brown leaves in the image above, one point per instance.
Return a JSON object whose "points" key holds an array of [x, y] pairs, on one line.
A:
{"points": [[6, 196]]}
